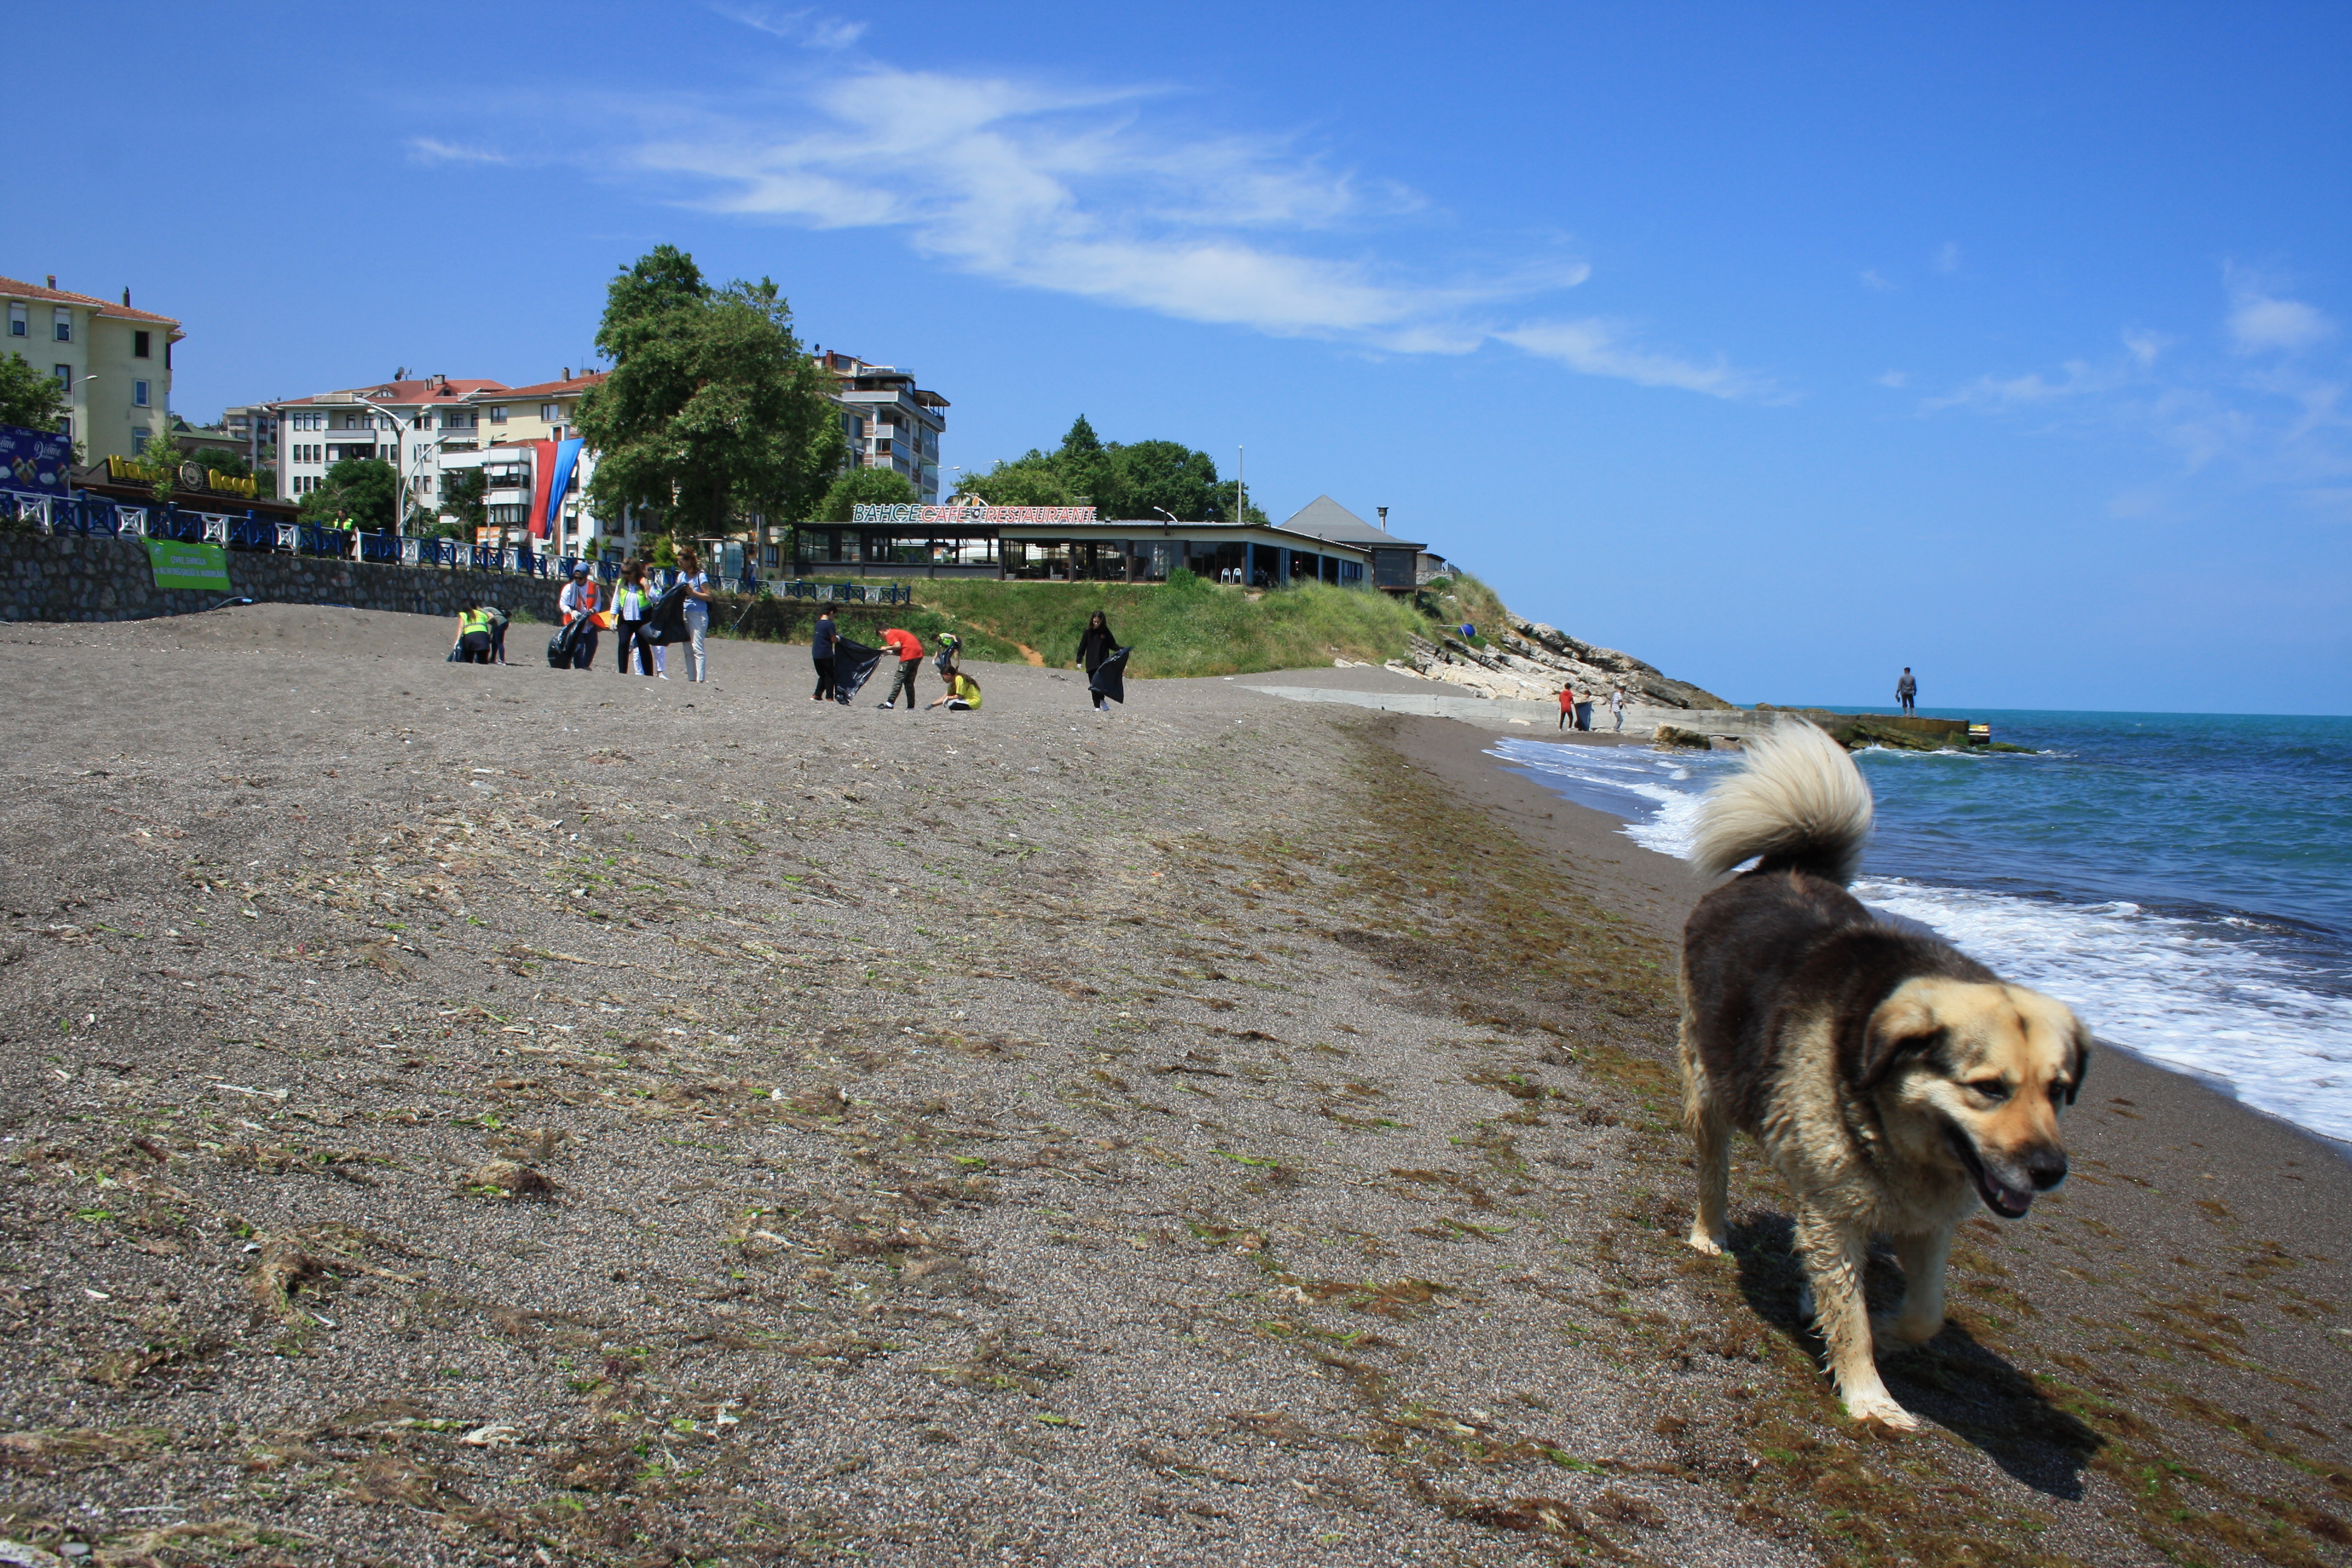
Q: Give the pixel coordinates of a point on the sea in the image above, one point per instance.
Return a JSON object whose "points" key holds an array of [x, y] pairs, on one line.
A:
{"points": [[2183, 881]]}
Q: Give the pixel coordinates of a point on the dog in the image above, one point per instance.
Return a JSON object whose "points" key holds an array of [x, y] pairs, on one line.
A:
{"points": [[1893, 1081]]}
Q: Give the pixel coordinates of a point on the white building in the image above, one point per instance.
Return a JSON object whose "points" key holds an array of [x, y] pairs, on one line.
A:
{"points": [[891, 423]]}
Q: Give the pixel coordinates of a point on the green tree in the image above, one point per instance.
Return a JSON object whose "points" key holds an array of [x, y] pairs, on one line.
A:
{"points": [[29, 399], [1119, 481], [864, 486], [363, 489], [1021, 483], [221, 460], [160, 456], [462, 493], [712, 412]]}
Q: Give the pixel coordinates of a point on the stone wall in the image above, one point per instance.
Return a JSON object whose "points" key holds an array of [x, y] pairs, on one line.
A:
{"points": [[70, 578]]}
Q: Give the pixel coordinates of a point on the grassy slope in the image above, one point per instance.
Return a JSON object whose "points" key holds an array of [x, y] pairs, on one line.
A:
{"points": [[1185, 627]]}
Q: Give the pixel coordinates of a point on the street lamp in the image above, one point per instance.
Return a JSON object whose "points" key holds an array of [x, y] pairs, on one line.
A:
{"points": [[400, 508]]}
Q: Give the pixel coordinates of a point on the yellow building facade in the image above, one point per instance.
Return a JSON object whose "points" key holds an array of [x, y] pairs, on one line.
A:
{"points": [[114, 362]]}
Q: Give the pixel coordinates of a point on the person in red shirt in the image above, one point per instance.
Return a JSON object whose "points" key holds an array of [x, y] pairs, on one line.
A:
{"points": [[1566, 702], [910, 649]]}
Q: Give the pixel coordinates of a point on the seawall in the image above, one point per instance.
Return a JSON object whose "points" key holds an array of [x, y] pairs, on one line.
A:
{"points": [[70, 578]]}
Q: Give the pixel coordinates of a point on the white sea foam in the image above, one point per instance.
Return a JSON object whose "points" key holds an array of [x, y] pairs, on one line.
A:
{"points": [[2189, 994], [2212, 996]]}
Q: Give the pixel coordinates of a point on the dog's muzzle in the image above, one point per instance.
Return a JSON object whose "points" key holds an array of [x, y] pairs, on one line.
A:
{"points": [[2008, 1185]]}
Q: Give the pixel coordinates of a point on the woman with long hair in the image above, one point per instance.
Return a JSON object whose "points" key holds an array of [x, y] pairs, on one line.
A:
{"points": [[697, 613], [632, 600], [1095, 644]]}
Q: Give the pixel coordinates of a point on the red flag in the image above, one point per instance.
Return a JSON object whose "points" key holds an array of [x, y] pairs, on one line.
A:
{"points": [[542, 475]]}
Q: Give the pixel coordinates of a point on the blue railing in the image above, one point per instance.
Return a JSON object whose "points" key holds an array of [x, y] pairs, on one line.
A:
{"points": [[89, 516]]}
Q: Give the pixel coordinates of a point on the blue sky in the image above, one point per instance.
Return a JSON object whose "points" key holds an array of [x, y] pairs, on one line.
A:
{"points": [[1781, 351]]}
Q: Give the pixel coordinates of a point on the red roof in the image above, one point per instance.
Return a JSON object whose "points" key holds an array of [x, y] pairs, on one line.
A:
{"points": [[411, 391], [559, 388], [35, 292]]}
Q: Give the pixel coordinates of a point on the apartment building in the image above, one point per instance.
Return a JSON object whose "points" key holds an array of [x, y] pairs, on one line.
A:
{"points": [[257, 426], [407, 422], [889, 422], [428, 428], [114, 362]]}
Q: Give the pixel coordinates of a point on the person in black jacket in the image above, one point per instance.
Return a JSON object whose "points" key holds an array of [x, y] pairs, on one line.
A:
{"points": [[1095, 644], [821, 655]]}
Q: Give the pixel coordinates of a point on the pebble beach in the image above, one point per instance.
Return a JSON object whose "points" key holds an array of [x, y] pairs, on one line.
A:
{"points": [[466, 1115]]}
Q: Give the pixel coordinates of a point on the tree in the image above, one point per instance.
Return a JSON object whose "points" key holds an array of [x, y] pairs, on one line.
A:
{"points": [[28, 399], [363, 489], [1130, 481], [712, 412], [864, 486], [222, 460], [160, 455], [462, 493]]}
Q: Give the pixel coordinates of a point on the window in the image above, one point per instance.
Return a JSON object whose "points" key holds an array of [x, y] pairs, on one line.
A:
{"points": [[141, 434], [549, 413], [65, 428], [498, 414], [139, 346], [138, 392], [62, 329], [64, 373], [19, 324]]}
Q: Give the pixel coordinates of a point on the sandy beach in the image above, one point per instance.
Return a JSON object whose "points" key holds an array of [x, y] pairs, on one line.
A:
{"points": [[465, 1116]]}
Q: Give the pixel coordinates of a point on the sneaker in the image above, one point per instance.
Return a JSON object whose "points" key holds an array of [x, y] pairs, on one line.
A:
{"points": [[885, 705], [659, 676]]}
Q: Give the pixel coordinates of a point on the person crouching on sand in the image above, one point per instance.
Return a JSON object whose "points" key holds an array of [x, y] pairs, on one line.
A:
{"points": [[962, 695]]}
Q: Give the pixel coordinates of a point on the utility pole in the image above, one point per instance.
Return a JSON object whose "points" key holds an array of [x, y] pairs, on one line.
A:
{"points": [[1240, 484]]}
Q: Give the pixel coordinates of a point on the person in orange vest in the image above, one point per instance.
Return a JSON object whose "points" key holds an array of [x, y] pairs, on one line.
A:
{"points": [[910, 649]]}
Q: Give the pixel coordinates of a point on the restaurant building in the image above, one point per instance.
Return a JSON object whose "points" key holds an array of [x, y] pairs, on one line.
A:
{"points": [[1323, 542]]}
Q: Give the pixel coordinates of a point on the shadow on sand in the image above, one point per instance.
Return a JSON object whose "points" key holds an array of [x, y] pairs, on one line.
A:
{"points": [[1954, 1380]]}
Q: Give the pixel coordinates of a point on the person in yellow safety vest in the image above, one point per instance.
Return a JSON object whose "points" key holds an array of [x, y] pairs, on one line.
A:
{"points": [[473, 645]]}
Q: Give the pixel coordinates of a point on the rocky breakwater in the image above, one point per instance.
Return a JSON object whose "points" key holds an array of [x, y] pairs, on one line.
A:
{"points": [[1529, 661]]}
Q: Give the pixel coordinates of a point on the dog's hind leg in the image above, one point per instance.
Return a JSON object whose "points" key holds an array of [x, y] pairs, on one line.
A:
{"points": [[1710, 1132], [1923, 1256], [1834, 1252]]}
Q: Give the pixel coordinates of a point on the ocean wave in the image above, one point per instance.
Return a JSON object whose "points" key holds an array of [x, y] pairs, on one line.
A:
{"points": [[2188, 991], [2259, 1009]]}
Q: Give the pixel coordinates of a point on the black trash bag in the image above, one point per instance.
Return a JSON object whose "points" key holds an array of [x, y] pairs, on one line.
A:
{"points": [[852, 663], [1110, 678], [666, 622], [564, 645]]}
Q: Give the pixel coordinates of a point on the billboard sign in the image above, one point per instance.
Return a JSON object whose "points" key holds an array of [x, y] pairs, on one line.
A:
{"points": [[39, 462]]}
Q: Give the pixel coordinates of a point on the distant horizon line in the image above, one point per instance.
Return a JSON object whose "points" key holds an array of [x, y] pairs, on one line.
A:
{"points": [[1950, 712]]}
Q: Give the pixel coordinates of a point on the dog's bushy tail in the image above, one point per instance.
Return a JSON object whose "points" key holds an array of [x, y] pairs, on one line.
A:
{"points": [[1799, 803]]}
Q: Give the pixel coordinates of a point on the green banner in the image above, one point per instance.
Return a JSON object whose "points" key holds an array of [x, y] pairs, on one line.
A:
{"points": [[181, 565]]}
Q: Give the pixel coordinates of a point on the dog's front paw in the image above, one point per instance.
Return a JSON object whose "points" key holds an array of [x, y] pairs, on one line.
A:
{"points": [[1881, 1408], [1713, 1246]]}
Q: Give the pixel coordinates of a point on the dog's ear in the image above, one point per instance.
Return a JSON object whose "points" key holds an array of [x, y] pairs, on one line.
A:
{"points": [[2079, 1064], [1900, 1029]]}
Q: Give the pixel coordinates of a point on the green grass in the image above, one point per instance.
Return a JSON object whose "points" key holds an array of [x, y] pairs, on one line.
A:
{"points": [[1184, 627]]}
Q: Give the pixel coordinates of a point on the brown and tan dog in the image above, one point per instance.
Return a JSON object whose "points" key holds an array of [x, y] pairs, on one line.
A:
{"points": [[1893, 1081]]}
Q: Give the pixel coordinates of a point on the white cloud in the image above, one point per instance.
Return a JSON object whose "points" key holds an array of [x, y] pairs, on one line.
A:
{"points": [[806, 26], [1898, 379], [2144, 345], [1069, 190], [1597, 347], [2260, 320], [426, 150], [2025, 391], [1871, 280], [1948, 258]]}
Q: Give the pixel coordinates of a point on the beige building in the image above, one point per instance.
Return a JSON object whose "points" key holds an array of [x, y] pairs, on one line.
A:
{"points": [[114, 362], [887, 420], [428, 427]]}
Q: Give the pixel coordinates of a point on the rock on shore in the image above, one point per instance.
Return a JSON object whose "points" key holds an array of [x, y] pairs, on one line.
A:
{"points": [[1529, 660]]}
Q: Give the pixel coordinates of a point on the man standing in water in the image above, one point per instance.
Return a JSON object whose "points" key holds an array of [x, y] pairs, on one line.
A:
{"points": [[1906, 690]]}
